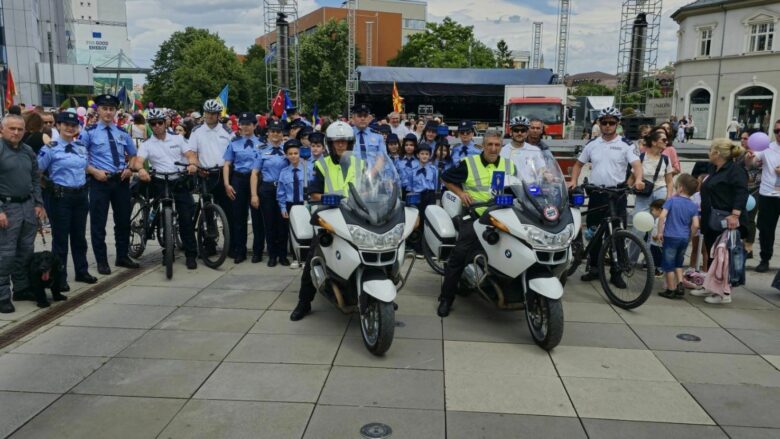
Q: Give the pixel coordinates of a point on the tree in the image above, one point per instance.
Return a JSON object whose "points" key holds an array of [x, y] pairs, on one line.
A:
{"points": [[322, 57], [169, 58], [207, 66], [593, 89], [255, 66], [503, 55], [448, 44]]}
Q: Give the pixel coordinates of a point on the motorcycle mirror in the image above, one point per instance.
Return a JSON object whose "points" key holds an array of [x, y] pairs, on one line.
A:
{"points": [[412, 199], [504, 200], [305, 153]]}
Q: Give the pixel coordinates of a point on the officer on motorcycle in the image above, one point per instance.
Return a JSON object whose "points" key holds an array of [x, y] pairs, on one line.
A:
{"points": [[470, 180], [332, 175]]}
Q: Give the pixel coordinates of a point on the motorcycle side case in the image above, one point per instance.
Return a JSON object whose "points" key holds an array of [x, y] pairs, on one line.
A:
{"points": [[410, 217], [451, 204], [509, 255], [438, 222], [301, 230], [340, 257]]}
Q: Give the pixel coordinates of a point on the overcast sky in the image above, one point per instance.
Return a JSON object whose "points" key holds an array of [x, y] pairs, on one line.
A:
{"points": [[594, 25]]}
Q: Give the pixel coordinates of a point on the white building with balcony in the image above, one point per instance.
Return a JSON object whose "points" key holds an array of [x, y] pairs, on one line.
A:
{"points": [[728, 65]]}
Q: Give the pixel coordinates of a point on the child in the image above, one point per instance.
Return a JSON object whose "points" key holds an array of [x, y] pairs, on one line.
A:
{"points": [[681, 133], [393, 147], [289, 188], [407, 164], [678, 222], [443, 160], [424, 182], [700, 172], [656, 241]]}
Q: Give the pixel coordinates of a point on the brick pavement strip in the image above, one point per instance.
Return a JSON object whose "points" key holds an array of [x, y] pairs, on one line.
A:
{"points": [[212, 353]]}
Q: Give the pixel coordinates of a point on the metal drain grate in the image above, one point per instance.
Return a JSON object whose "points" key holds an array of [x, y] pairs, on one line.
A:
{"points": [[376, 430], [689, 337]]}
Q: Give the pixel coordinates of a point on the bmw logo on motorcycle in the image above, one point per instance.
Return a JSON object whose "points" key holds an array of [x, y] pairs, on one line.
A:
{"points": [[508, 254]]}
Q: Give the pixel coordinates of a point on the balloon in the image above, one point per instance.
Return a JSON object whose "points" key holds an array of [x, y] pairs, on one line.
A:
{"points": [[751, 203], [81, 111], [758, 141], [643, 221], [90, 103]]}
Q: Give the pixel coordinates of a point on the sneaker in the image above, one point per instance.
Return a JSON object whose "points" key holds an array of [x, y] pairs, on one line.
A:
{"points": [[590, 276], [699, 293], [659, 272], [679, 292], [668, 294], [718, 300], [295, 264]]}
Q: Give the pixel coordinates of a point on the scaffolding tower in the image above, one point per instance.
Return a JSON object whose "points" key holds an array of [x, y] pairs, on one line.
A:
{"points": [[537, 45], [640, 26], [281, 71], [352, 75], [564, 17]]}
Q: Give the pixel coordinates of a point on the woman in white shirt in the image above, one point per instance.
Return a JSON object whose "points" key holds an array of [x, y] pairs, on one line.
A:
{"points": [[656, 168]]}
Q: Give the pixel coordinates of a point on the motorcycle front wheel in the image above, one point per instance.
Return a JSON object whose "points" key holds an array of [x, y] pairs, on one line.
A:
{"points": [[545, 320], [377, 325], [433, 261]]}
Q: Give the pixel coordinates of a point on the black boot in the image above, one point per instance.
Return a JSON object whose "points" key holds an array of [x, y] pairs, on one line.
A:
{"points": [[6, 307], [300, 311], [444, 307]]}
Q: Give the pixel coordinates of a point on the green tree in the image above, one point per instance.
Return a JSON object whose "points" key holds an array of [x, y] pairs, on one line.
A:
{"points": [[159, 86], [448, 44], [322, 63], [503, 55], [592, 89], [254, 64], [207, 66]]}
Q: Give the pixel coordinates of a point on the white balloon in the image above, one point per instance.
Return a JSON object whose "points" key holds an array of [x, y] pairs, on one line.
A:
{"points": [[643, 221]]}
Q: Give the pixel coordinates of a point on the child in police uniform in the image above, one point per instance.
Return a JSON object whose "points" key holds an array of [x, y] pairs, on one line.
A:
{"points": [[424, 181], [407, 165], [393, 147], [289, 189]]}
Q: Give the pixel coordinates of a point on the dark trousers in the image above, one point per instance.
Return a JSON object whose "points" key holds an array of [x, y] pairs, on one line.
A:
{"points": [[594, 217], [68, 216], [307, 291], [427, 198], [17, 243], [217, 188], [769, 211], [750, 234], [275, 231], [657, 253], [466, 247], [115, 193], [241, 210], [185, 209], [710, 237]]}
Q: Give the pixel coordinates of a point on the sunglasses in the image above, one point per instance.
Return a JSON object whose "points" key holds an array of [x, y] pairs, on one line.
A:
{"points": [[519, 130], [157, 122], [608, 122], [777, 130]]}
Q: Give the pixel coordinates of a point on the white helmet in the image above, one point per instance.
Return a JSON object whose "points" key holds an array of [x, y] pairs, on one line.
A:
{"points": [[155, 114], [212, 106], [519, 121], [610, 112], [339, 131]]}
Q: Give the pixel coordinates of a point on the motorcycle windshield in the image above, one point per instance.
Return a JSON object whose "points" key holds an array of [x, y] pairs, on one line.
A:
{"points": [[540, 184], [375, 192]]}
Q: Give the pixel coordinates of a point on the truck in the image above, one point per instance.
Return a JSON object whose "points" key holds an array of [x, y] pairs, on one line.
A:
{"points": [[545, 102]]}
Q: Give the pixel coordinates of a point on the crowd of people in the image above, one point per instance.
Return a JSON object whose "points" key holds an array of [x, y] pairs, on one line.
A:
{"points": [[77, 163]]}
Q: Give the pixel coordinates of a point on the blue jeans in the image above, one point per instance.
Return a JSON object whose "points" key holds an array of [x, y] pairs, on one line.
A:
{"points": [[642, 204]]}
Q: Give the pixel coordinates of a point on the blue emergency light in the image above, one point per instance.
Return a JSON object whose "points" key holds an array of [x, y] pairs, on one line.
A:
{"points": [[504, 200], [534, 190], [577, 200], [331, 200]]}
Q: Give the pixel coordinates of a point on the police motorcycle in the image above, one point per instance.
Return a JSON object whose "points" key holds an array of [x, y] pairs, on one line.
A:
{"points": [[358, 262], [525, 234]]}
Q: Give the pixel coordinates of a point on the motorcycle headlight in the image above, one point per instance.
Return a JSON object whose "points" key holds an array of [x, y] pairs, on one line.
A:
{"points": [[541, 239], [368, 240]]}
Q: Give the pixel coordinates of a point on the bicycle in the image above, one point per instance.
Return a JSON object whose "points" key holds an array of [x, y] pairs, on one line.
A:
{"points": [[211, 222], [144, 210], [621, 276]]}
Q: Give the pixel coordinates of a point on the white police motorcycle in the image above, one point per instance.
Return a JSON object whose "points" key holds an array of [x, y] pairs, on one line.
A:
{"points": [[525, 234], [358, 262]]}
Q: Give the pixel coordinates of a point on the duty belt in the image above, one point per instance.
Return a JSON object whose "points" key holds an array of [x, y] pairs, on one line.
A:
{"points": [[268, 184], [10, 199], [69, 190], [242, 174]]}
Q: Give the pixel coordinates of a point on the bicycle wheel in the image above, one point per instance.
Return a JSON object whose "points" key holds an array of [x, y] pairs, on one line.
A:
{"points": [[626, 283], [139, 214], [213, 235], [169, 241]]}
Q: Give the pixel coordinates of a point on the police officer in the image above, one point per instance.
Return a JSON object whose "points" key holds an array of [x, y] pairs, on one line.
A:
{"points": [[610, 156], [266, 169], [241, 154], [164, 150], [331, 176], [21, 207], [209, 141], [66, 161], [107, 146], [470, 180], [466, 146], [366, 141]]}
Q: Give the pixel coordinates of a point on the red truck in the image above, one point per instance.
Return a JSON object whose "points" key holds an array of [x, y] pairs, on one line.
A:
{"points": [[545, 102]]}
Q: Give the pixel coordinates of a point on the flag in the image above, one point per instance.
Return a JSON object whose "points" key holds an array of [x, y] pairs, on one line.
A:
{"points": [[315, 118], [270, 56], [287, 105], [398, 101], [223, 99], [277, 106], [122, 96], [137, 104], [10, 88]]}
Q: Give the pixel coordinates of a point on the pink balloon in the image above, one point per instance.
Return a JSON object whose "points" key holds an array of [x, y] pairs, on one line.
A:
{"points": [[758, 141]]}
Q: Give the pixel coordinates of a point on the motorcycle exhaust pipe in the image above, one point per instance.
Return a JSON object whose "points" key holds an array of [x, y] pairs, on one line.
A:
{"points": [[318, 273]]}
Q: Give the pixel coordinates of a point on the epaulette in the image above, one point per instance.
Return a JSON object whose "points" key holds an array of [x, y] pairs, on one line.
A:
{"points": [[91, 127], [51, 145], [195, 128]]}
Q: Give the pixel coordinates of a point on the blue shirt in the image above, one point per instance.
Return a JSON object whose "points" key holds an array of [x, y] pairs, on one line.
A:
{"points": [[460, 151], [373, 142], [65, 163], [425, 178], [96, 140], [270, 162], [406, 167], [679, 217], [285, 190], [242, 152]]}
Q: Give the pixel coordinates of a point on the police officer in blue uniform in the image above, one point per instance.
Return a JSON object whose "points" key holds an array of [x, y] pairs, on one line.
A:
{"points": [[241, 154], [466, 146], [66, 161], [366, 141], [266, 170], [107, 146]]}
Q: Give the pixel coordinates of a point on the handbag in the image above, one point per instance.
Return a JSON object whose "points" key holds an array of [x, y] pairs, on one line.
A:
{"points": [[650, 185], [716, 221], [736, 259]]}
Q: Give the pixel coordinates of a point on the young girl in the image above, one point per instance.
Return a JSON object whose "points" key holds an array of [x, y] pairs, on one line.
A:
{"points": [[393, 147], [407, 165]]}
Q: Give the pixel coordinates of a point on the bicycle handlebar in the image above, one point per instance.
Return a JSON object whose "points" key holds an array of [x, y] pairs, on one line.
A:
{"points": [[211, 169], [616, 190]]}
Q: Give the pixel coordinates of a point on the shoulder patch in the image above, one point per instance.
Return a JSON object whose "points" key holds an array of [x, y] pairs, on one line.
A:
{"points": [[195, 128], [52, 144], [90, 128], [42, 152]]}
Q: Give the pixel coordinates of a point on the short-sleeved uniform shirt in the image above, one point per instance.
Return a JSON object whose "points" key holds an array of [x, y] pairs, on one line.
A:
{"points": [[163, 154], [610, 160]]}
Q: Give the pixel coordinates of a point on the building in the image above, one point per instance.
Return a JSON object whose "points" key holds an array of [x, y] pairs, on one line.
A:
{"points": [[728, 65], [521, 59], [601, 78], [382, 27], [25, 30]]}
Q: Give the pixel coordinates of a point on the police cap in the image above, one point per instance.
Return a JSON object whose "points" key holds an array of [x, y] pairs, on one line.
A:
{"points": [[292, 143], [465, 126], [431, 125], [247, 117], [68, 118], [392, 138], [274, 125], [304, 132], [297, 123], [361, 109], [107, 100], [422, 147], [385, 129], [316, 137]]}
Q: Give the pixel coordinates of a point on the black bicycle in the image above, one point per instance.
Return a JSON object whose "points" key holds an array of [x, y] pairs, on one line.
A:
{"points": [[211, 222], [625, 265], [144, 212]]}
